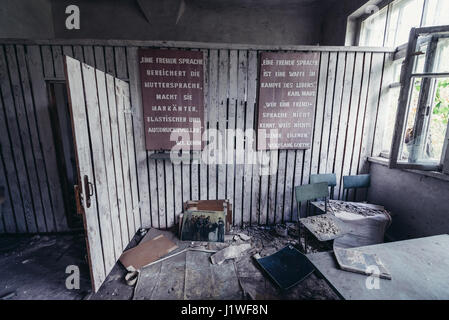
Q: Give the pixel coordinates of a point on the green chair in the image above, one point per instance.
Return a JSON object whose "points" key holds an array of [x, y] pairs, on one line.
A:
{"points": [[355, 182], [307, 193], [330, 178]]}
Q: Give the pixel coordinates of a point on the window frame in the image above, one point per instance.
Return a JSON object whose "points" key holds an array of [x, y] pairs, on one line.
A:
{"points": [[382, 4], [406, 76], [402, 5], [366, 17]]}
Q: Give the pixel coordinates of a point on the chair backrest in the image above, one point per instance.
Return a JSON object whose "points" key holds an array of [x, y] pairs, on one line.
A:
{"points": [[311, 191], [357, 181], [330, 178]]}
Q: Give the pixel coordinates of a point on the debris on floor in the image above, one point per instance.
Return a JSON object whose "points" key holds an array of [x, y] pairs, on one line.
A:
{"points": [[243, 236], [231, 252], [8, 296], [223, 270], [281, 230]]}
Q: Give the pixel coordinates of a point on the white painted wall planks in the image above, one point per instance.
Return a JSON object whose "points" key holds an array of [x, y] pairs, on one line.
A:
{"points": [[99, 105], [347, 126]]}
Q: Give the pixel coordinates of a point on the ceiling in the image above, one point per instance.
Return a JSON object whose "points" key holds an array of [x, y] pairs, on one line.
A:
{"points": [[274, 4]]}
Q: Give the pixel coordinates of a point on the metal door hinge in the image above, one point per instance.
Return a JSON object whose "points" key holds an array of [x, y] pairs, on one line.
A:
{"points": [[78, 199]]}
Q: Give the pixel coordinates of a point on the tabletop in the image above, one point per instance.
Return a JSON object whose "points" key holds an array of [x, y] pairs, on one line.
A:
{"points": [[418, 267]]}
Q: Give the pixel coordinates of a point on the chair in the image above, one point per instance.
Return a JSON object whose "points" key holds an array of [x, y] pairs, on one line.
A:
{"points": [[355, 182], [310, 192], [330, 178], [307, 193]]}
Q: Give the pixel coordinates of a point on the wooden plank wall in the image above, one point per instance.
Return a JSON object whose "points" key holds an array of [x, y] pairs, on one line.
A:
{"points": [[347, 124]]}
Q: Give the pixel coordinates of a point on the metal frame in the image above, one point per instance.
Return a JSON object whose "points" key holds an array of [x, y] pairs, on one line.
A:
{"points": [[192, 45], [406, 77]]}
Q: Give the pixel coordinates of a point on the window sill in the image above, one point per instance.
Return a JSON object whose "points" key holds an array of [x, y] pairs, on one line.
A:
{"points": [[432, 174]]}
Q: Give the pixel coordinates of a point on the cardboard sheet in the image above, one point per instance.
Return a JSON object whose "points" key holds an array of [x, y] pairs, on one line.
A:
{"points": [[147, 252]]}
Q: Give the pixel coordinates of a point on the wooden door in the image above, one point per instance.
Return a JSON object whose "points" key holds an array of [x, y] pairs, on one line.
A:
{"points": [[102, 132]]}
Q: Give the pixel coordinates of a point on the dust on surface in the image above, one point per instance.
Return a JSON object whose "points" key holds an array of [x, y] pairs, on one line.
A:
{"points": [[323, 225]]}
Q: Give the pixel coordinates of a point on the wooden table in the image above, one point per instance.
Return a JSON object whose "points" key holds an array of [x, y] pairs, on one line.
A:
{"points": [[419, 270]]}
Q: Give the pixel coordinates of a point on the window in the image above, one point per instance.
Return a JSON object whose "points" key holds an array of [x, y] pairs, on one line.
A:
{"points": [[420, 136], [392, 101], [392, 105], [436, 13], [404, 15], [397, 65], [373, 29], [390, 26]]}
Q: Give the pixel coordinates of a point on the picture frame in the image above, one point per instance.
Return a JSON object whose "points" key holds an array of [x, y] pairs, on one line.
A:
{"points": [[201, 225]]}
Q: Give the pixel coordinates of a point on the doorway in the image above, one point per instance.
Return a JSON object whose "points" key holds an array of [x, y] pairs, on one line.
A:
{"points": [[63, 141]]}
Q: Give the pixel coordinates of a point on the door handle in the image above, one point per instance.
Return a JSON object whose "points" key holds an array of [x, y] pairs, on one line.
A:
{"points": [[89, 190]]}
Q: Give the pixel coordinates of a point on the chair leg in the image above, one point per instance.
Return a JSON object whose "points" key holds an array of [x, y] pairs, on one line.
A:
{"points": [[299, 224], [307, 208], [305, 241], [304, 235], [305, 230]]}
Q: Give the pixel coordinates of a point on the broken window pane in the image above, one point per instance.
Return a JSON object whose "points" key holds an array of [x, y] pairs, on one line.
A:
{"points": [[407, 136], [438, 118], [425, 128]]}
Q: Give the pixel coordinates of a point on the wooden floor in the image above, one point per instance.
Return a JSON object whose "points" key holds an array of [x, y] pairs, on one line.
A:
{"points": [[191, 276], [33, 267]]}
